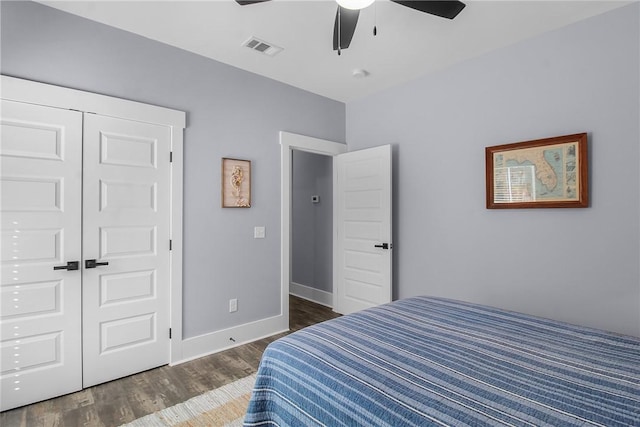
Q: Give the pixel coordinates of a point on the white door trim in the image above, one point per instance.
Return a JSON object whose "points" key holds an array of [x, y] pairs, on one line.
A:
{"points": [[289, 142], [16, 89], [71, 99]]}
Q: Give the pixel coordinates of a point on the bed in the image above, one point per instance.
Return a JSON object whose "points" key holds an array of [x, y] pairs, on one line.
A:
{"points": [[431, 361]]}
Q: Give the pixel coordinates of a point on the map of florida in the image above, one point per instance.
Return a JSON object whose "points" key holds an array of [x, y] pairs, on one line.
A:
{"points": [[544, 171]]}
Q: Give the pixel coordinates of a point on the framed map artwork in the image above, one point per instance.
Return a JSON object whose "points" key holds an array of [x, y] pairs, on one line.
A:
{"points": [[236, 183], [543, 173]]}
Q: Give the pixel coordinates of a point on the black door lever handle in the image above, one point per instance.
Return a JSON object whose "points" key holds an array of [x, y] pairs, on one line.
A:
{"points": [[91, 263], [71, 265], [383, 246]]}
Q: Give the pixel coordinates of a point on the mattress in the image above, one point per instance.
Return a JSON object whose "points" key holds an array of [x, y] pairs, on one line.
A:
{"points": [[431, 361]]}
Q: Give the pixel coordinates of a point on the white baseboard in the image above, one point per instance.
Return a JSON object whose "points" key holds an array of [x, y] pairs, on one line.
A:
{"points": [[214, 342], [306, 292]]}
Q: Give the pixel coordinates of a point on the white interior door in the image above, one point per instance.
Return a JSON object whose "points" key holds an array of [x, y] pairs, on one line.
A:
{"points": [[364, 241], [40, 320], [126, 232]]}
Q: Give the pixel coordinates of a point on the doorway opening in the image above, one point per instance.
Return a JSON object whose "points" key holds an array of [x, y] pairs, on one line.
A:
{"points": [[361, 229], [312, 227], [289, 143]]}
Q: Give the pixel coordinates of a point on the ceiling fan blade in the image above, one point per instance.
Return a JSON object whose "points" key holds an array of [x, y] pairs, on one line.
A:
{"points": [[445, 8], [346, 20], [246, 2]]}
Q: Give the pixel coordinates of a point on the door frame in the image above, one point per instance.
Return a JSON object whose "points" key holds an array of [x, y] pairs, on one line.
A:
{"points": [[288, 143], [15, 89]]}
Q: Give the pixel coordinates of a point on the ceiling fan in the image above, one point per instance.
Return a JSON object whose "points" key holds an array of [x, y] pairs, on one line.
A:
{"points": [[349, 10]]}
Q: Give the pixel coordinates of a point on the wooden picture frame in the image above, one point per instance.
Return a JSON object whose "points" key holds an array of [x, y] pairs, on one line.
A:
{"points": [[543, 173], [236, 183]]}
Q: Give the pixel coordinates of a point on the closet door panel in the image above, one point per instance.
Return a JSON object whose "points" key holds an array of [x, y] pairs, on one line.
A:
{"points": [[126, 231], [40, 316]]}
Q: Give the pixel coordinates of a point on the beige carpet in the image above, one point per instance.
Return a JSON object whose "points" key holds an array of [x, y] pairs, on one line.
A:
{"points": [[224, 406]]}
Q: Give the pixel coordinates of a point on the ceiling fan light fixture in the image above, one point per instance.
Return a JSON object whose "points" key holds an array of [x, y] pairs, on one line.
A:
{"points": [[354, 4]]}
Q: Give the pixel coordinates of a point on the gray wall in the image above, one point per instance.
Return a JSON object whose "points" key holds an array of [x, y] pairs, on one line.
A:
{"points": [[312, 223], [580, 265], [230, 113], [577, 265]]}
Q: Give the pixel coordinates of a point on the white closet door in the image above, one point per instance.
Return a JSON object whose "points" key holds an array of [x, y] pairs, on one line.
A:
{"points": [[126, 204], [40, 153]]}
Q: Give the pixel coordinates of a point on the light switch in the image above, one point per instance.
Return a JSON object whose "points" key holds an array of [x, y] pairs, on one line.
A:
{"points": [[259, 232]]}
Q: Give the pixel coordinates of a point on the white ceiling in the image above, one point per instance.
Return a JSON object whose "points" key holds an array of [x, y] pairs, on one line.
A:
{"points": [[409, 43]]}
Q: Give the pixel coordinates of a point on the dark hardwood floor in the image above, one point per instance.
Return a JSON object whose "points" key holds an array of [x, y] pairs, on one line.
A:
{"points": [[126, 399]]}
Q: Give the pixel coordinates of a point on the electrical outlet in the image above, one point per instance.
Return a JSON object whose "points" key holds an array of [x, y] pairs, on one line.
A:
{"points": [[233, 305]]}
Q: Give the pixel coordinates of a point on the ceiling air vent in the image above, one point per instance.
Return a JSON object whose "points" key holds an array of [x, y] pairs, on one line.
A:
{"points": [[262, 46]]}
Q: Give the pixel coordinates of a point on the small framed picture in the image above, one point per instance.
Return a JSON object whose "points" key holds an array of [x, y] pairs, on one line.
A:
{"points": [[236, 183], [543, 173]]}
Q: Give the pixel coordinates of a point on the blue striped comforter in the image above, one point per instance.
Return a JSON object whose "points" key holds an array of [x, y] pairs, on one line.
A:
{"points": [[430, 361]]}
